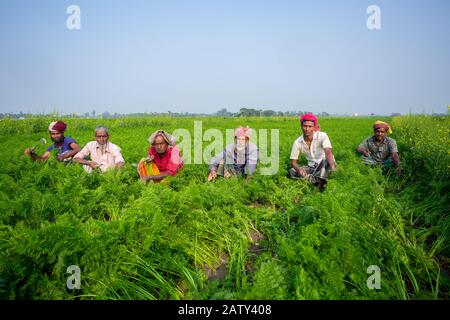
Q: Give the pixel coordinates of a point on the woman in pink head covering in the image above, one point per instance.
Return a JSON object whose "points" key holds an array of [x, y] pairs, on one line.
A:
{"points": [[237, 159], [66, 147]]}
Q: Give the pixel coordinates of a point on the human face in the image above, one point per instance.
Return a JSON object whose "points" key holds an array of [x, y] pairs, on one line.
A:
{"points": [[380, 133], [56, 136], [160, 145], [308, 128], [241, 140], [240, 143], [101, 137]]}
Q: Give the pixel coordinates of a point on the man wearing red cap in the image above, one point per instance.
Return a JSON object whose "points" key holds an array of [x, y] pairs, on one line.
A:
{"points": [[316, 147], [66, 147], [380, 149]]}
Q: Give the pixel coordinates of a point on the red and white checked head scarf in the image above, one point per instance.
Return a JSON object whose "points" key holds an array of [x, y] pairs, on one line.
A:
{"points": [[57, 126], [242, 132]]}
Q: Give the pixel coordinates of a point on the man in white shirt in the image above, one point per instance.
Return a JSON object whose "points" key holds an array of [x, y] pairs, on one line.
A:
{"points": [[104, 154], [316, 147]]}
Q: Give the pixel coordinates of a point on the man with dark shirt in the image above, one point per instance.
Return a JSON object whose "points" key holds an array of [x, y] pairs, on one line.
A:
{"points": [[66, 147]]}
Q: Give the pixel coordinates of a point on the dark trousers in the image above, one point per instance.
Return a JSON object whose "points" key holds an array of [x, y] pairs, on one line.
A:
{"points": [[319, 170]]}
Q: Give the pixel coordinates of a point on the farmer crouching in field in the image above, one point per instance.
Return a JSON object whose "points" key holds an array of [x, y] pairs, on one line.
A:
{"points": [[66, 147], [237, 159], [380, 149], [316, 147], [163, 158], [103, 154]]}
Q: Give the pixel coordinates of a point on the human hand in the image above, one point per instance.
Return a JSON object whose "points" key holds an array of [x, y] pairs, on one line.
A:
{"points": [[93, 164], [28, 151], [149, 158], [302, 172], [332, 172], [212, 175]]}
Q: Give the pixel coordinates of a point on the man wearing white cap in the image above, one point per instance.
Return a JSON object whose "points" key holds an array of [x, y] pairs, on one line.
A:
{"points": [[237, 159], [104, 154], [66, 147]]}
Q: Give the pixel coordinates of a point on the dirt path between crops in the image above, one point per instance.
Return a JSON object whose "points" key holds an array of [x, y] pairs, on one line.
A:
{"points": [[219, 270]]}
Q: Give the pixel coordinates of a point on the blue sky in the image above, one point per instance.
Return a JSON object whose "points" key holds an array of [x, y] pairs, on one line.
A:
{"points": [[200, 56]]}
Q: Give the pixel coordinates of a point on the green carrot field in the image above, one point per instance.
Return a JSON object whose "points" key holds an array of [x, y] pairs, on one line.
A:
{"points": [[267, 237]]}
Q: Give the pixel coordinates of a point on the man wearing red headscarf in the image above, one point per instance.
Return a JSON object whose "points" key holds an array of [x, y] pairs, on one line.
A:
{"points": [[66, 147], [316, 147], [380, 149]]}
